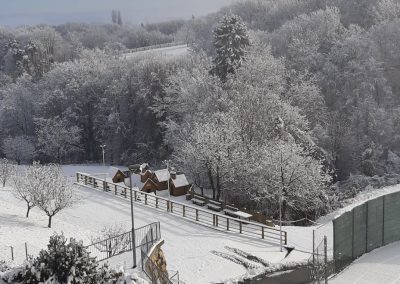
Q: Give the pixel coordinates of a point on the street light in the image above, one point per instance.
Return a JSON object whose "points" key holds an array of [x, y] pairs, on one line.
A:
{"points": [[132, 168], [104, 166], [169, 196]]}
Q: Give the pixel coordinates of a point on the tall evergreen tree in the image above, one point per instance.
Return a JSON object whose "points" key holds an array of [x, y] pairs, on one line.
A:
{"points": [[119, 18], [230, 40]]}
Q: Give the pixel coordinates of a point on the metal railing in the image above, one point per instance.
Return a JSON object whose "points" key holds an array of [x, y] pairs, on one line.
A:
{"points": [[154, 272], [116, 245], [192, 213]]}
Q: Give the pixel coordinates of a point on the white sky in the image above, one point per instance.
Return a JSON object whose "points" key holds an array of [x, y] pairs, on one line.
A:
{"points": [[19, 12]]}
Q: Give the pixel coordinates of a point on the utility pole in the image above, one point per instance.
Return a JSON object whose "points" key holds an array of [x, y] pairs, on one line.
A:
{"points": [[132, 219], [104, 166]]}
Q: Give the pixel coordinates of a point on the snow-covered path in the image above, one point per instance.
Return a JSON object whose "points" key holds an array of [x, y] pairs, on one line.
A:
{"points": [[381, 266]]}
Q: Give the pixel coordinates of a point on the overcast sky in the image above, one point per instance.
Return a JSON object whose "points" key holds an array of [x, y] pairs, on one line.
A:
{"points": [[21, 12]]}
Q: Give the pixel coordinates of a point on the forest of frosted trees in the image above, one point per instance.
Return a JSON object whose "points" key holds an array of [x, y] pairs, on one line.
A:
{"points": [[275, 96]]}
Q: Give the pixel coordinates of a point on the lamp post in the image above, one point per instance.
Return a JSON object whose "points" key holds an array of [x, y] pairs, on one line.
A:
{"points": [[132, 218], [169, 195], [104, 166]]}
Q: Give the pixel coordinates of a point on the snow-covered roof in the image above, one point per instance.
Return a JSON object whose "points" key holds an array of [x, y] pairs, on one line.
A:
{"points": [[162, 175], [112, 171], [180, 180]]}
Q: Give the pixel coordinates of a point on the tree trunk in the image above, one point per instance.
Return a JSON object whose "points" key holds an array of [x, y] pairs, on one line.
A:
{"points": [[49, 225], [211, 181], [27, 211], [4, 182], [218, 185], [284, 207]]}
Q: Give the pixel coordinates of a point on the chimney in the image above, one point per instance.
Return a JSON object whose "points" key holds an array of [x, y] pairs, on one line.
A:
{"points": [[173, 174]]}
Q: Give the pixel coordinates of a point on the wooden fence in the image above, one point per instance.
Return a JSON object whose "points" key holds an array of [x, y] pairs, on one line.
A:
{"points": [[189, 212]]}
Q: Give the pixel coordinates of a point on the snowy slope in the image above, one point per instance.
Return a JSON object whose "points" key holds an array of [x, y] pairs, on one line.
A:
{"points": [[381, 266]]}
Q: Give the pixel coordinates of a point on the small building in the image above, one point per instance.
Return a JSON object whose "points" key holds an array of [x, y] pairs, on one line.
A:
{"points": [[149, 186], [161, 177], [179, 185], [117, 175], [144, 176]]}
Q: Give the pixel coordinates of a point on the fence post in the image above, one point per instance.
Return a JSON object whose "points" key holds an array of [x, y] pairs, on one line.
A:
{"points": [[197, 214], [326, 259], [183, 210], [216, 220], [26, 251], [12, 253], [240, 227], [227, 224], [145, 199], [77, 177], [115, 186], [156, 202], [172, 207], [135, 193], [262, 232]]}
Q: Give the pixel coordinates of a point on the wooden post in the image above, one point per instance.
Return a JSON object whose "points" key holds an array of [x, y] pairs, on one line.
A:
{"points": [[172, 207], [216, 220], [77, 177], [115, 189], [145, 199], [227, 224], [197, 214], [213, 220], [262, 232], [156, 202], [12, 253], [240, 227], [135, 193], [86, 180], [26, 251], [183, 211]]}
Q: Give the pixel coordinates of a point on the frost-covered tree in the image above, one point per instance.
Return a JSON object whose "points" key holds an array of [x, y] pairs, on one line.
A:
{"points": [[20, 148], [54, 192], [120, 243], [7, 170], [230, 40], [56, 138]]}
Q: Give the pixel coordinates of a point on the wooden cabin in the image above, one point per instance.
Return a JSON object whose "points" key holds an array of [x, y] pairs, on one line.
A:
{"points": [[117, 175], [144, 176], [161, 178], [149, 186], [179, 185], [144, 167]]}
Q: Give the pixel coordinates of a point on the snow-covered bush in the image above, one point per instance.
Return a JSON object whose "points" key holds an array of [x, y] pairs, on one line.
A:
{"points": [[65, 262], [62, 262]]}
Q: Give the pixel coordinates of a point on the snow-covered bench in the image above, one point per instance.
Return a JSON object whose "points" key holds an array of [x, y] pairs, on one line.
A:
{"points": [[214, 207], [199, 201], [230, 211]]}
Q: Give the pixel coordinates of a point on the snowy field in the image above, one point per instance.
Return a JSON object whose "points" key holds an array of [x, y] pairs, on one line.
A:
{"points": [[381, 266], [192, 249], [188, 246]]}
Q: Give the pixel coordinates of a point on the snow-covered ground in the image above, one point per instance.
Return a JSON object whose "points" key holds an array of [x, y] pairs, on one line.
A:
{"points": [[381, 266], [192, 249], [188, 247]]}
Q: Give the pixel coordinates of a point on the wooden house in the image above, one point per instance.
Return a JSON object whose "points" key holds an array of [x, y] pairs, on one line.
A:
{"points": [[149, 186], [144, 167], [117, 175], [178, 184], [144, 176], [161, 177]]}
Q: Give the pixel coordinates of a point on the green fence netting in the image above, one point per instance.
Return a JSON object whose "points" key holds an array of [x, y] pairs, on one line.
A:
{"points": [[366, 227]]}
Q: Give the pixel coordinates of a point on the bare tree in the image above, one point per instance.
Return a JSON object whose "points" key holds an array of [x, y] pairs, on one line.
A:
{"points": [[23, 192], [55, 193], [7, 169], [112, 239]]}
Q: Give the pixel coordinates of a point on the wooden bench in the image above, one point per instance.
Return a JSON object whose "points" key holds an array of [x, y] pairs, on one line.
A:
{"points": [[214, 207], [199, 201], [231, 211], [188, 196], [217, 203]]}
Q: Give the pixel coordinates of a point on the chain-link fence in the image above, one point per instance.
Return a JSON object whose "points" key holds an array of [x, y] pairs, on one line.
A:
{"points": [[368, 226]]}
